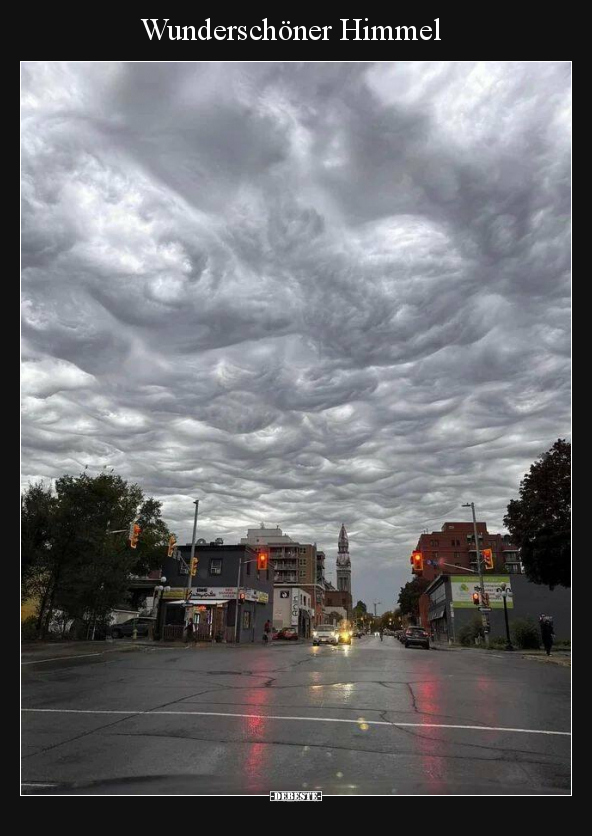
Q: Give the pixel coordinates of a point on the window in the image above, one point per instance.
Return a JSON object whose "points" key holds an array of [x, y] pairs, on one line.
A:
{"points": [[246, 620], [454, 542], [435, 555], [216, 566], [456, 555]]}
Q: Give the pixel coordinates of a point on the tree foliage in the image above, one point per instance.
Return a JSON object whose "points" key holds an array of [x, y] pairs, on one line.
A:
{"points": [[539, 521], [410, 594], [70, 557]]}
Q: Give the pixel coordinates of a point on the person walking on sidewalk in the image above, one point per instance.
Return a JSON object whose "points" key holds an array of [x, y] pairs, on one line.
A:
{"points": [[266, 631], [189, 632], [547, 634]]}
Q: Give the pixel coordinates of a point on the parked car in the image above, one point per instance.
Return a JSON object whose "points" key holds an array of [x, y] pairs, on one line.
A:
{"points": [[417, 636], [324, 634], [126, 628], [288, 633], [275, 634]]}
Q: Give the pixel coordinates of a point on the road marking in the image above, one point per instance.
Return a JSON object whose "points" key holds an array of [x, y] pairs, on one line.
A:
{"points": [[60, 658], [39, 785], [281, 717]]}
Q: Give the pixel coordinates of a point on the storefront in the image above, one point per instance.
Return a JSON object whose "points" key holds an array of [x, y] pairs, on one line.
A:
{"points": [[213, 612]]}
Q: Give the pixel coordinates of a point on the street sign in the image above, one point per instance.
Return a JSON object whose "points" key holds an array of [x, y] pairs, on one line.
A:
{"points": [[484, 609]]}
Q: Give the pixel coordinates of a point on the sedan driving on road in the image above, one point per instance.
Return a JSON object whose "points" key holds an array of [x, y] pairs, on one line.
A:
{"points": [[324, 634], [417, 636]]}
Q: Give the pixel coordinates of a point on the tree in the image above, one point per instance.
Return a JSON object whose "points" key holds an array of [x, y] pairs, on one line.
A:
{"points": [[539, 521], [80, 568], [359, 611], [410, 595]]}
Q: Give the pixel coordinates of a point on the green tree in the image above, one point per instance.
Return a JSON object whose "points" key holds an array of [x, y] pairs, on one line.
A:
{"points": [[410, 594], [539, 521], [81, 568]]}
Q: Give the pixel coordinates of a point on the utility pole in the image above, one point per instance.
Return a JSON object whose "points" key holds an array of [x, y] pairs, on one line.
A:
{"points": [[189, 568], [471, 505]]}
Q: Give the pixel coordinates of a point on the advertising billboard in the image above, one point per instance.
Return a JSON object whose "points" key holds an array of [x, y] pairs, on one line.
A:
{"points": [[463, 587]]}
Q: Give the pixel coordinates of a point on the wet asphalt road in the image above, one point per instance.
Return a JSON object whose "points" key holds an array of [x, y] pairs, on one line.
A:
{"points": [[86, 735]]}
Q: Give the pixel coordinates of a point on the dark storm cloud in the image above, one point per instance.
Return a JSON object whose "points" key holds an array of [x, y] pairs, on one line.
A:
{"points": [[307, 293]]}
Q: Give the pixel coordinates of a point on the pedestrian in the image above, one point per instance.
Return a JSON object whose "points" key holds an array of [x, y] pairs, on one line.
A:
{"points": [[547, 634], [189, 632], [266, 631]]}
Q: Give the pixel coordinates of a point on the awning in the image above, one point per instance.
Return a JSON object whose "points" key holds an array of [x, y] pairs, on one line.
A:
{"points": [[198, 602], [434, 615]]}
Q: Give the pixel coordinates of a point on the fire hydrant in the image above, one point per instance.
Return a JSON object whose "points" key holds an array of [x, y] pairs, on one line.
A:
{"points": [[135, 633]]}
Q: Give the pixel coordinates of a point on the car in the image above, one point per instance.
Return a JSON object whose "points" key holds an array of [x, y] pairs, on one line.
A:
{"points": [[325, 634], [417, 636], [402, 636], [358, 634], [141, 625], [275, 634], [344, 635], [288, 633]]}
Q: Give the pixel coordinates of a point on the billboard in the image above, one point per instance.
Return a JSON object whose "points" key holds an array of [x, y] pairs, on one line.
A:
{"points": [[463, 587]]}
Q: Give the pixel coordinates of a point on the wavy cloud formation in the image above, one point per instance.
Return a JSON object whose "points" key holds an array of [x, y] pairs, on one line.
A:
{"points": [[305, 293]]}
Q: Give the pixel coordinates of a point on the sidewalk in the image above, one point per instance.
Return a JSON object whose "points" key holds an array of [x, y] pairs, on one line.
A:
{"points": [[561, 656]]}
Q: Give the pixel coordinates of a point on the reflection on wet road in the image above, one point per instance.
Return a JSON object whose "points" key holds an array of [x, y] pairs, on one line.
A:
{"points": [[372, 718]]}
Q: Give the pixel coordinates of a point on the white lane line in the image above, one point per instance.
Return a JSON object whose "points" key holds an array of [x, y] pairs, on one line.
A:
{"points": [[283, 717], [39, 785], [60, 658]]}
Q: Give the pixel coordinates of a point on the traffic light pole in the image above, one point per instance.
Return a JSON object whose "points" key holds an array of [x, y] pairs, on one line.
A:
{"points": [[190, 567], [471, 505]]}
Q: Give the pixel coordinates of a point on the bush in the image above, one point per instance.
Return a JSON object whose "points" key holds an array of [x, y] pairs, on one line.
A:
{"points": [[525, 633], [498, 643], [29, 629], [468, 633]]}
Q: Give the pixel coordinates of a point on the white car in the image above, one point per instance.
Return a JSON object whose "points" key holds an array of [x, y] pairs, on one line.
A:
{"points": [[325, 634]]}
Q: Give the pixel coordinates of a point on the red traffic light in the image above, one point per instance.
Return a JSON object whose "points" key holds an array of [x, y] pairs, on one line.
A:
{"points": [[476, 599], [262, 560], [241, 596], [134, 534], [417, 561]]}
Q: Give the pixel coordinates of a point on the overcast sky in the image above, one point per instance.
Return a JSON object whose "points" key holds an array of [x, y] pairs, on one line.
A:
{"points": [[305, 294]]}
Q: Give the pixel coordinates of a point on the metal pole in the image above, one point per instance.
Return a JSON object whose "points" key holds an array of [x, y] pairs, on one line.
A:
{"points": [[509, 644], [479, 565], [196, 503], [238, 580]]}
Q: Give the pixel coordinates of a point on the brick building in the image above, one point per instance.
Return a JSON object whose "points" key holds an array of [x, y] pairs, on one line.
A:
{"points": [[452, 550]]}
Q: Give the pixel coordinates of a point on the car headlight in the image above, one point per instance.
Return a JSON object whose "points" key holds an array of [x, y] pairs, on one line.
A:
{"points": [[315, 634]]}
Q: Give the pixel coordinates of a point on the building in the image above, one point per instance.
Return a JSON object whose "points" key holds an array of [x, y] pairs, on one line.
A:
{"points": [[452, 550], [294, 563], [223, 572], [447, 605], [341, 597], [292, 607]]}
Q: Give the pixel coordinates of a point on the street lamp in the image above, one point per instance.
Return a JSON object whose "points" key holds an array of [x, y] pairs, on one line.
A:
{"points": [[161, 589], [504, 590]]}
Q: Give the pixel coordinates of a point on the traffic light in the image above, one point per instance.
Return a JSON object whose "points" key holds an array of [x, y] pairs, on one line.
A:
{"points": [[134, 534], [262, 560], [476, 599], [241, 596], [193, 567], [172, 544], [487, 558], [417, 563]]}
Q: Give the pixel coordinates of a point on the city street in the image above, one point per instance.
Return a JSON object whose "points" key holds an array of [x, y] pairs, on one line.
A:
{"points": [[373, 718]]}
